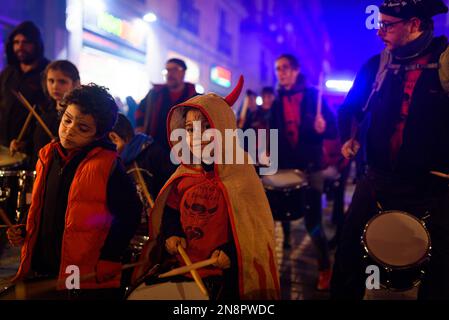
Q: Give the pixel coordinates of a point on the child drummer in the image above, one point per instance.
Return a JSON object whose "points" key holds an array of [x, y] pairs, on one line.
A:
{"points": [[84, 208], [217, 210]]}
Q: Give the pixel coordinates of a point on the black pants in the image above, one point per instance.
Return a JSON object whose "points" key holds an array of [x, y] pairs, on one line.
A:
{"points": [[313, 218], [419, 198]]}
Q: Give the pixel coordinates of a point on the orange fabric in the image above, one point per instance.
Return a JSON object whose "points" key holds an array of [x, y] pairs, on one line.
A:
{"points": [[87, 218], [261, 275], [411, 77], [249, 212], [204, 217]]}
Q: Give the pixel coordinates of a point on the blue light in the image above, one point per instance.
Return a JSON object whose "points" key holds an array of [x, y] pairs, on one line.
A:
{"points": [[339, 85], [150, 17]]}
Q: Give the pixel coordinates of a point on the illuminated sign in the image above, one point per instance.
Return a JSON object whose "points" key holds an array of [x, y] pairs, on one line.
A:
{"points": [[221, 76], [131, 32], [111, 24]]}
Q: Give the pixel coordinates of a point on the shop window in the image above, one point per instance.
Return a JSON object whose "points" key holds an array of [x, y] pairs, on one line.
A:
{"points": [[189, 16], [224, 37]]}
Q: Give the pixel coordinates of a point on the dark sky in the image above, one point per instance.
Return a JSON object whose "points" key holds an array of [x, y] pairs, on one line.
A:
{"points": [[351, 42]]}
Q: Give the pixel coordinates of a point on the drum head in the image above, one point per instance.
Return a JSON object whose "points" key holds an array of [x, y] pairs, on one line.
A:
{"points": [[396, 239], [167, 291], [285, 179], [6, 160]]}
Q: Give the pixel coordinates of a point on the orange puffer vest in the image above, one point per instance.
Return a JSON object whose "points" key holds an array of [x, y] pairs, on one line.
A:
{"points": [[87, 219]]}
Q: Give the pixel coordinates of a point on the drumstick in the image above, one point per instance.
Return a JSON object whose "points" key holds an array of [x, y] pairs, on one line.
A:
{"points": [[48, 285], [320, 96], [25, 125], [35, 114], [243, 113], [8, 226], [440, 174], [185, 269], [141, 181], [194, 273]]}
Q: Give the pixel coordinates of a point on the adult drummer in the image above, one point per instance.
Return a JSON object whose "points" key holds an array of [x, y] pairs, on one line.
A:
{"points": [[301, 133], [26, 62], [406, 139]]}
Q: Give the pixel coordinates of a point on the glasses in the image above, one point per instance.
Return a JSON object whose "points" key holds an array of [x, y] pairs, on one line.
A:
{"points": [[283, 68], [385, 27], [172, 70]]}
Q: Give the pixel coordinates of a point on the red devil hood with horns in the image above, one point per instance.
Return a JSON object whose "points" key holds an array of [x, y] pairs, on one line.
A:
{"points": [[248, 209]]}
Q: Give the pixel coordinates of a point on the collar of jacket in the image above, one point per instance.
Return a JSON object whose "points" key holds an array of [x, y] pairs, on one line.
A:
{"points": [[414, 48]]}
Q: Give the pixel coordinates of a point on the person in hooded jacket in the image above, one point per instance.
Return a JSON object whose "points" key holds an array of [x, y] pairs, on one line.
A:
{"points": [[26, 63]]}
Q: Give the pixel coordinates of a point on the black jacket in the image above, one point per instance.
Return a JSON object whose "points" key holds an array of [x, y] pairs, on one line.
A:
{"points": [[308, 154], [425, 144], [12, 112], [153, 111]]}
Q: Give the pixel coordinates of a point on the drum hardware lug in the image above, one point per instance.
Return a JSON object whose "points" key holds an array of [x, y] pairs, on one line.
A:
{"points": [[425, 218]]}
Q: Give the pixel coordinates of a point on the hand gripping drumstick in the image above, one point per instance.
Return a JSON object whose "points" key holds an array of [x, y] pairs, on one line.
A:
{"points": [[185, 269], [194, 273], [27, 105]]}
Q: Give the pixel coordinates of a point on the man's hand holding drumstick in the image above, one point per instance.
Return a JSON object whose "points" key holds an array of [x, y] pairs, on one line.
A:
{"points": [[14, 232], [350, 148]]}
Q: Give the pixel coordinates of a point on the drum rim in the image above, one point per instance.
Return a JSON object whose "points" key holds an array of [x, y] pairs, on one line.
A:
{"points": [[18, 163], [9, 173], [129, 291], [28, 173], [287, 189], [17, 173], [424, 258]]}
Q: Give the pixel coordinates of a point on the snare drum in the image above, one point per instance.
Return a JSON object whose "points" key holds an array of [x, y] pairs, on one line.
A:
{"points": [[10, 162], [187, 290], [16, 188], [285, 193], [399, 244]]}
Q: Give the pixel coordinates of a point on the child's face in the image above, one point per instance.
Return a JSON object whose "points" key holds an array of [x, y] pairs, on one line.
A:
{"points": [[196, 115], [58, 84], [76, 129]]}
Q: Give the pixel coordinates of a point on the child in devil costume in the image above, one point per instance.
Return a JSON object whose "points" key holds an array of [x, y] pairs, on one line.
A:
{"points": [[216, 210]]}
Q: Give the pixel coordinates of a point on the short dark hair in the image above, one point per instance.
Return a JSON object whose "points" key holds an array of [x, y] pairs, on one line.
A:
{"points": [[250, 92], [65, 66], [179, 62], [94, 100], [267, 90], [123, 128], [294, 63]]}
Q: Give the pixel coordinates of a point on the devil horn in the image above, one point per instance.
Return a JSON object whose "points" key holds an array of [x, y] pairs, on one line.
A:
{"points": [[233, 96]]}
